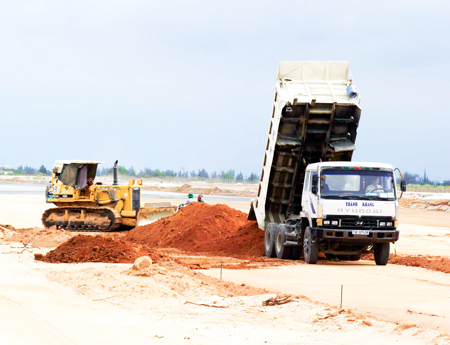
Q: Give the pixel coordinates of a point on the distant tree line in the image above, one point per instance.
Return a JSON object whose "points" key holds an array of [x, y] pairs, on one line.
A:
{"points": [[148, 172], [202, 173], [230, 175], [26, 170], [423, 180]]}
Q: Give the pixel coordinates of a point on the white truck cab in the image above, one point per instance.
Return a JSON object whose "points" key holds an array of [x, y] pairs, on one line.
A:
{"points": [[349, 189], [349, 208]]}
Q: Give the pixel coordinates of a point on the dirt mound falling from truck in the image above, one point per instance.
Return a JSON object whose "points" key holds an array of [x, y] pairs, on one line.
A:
{"points": [[198, 228], [203, 228]]}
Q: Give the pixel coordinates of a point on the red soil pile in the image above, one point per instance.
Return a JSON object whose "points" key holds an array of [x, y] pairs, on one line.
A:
{"points": [[85, 248], [429, 262], [8, 227], [434, 263], [203, 228], [197, 228]]}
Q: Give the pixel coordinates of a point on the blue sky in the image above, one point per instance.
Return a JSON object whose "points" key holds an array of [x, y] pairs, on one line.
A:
{"points": [[176, 84]]}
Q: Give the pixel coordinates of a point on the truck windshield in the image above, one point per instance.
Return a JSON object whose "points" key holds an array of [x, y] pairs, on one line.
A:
{"points": [[357, 184]]}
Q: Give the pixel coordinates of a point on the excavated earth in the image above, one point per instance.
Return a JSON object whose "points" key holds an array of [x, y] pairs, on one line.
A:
{"points": [[197, 236], [202, 228], [418, 203]]}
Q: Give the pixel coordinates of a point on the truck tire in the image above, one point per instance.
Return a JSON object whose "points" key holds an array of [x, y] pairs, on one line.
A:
{"points": [[281, 250], [310, 249], [381, 253], [269, 241]]}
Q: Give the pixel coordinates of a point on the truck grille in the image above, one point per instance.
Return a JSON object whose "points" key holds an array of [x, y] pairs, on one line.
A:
{"points": [[359, 223]]}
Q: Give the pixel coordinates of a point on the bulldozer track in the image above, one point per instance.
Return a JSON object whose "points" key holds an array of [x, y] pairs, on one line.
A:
{"points": [[82, 219]]}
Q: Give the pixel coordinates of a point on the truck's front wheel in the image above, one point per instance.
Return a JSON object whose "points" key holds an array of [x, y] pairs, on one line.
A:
{"points": [[310, 248], [269, 241], [381, 253], [281, 250]]}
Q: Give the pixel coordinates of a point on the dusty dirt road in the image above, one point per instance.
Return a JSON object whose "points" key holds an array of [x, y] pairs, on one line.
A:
{"points": [[100, 303], [94, 303], [394, 292]]}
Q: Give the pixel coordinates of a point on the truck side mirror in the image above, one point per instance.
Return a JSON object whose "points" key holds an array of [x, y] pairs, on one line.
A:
{"points": [[403, 186], [314, 184]]}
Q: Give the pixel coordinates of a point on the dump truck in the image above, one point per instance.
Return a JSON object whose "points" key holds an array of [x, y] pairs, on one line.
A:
{"points": [[311, 197], [86, 205]]}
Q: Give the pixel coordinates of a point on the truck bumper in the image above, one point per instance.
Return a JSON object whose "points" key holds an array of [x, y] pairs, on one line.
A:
{"points": [[349, 235]]}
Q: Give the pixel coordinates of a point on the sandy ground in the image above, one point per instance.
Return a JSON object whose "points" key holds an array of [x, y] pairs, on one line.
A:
{"points": [[96, 303], [108, 304], [394, 292]]}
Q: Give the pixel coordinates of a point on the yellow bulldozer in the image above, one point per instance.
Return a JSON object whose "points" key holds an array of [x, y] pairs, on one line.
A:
{"points": [[86, 205]]}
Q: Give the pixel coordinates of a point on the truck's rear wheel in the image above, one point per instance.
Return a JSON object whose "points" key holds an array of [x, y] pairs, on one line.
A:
{"points": [[269, 241], [310, 248], [281, 250], [381, 253]]}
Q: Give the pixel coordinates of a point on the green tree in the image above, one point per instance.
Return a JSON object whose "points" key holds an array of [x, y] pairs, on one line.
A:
{"points": [[43, 170], [411, 178], [169, 173], [203, 173], [122, 170], [227, 175], [131, 172], [253, 178], [158, 173]]}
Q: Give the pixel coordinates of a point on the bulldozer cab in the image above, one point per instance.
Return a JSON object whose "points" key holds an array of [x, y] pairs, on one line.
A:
{"points": [[77, 174]]}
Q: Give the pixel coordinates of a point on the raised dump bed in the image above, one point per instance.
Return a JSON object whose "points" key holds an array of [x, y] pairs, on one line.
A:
{"points": [[315, 116]]}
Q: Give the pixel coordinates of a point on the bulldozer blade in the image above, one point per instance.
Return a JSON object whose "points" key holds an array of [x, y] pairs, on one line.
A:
{"points": [[151, 212]]}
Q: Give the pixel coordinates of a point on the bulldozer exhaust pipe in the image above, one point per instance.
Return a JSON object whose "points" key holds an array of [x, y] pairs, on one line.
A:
{"points": [[116, 180]]}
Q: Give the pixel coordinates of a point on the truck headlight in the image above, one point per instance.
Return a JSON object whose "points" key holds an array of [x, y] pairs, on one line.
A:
{"points": [[326, 222], [389, 224], [382, 223], [334, 222]]}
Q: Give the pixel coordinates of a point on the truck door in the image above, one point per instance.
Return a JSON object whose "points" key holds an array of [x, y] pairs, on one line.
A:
{"points": [[306, 188], [313, 195], [309, 197]]}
